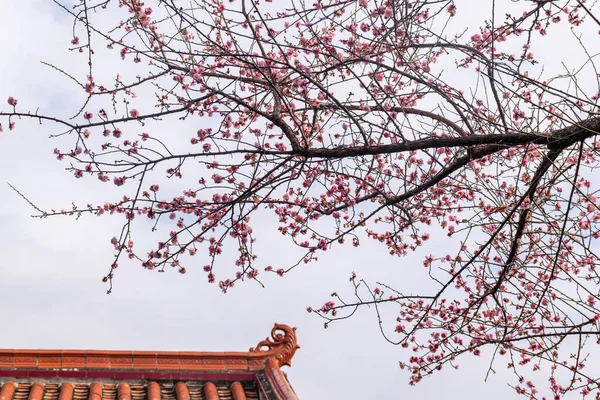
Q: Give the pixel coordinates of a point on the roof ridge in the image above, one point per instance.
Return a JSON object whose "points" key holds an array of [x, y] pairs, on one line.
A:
{"points": [[282, 346]]}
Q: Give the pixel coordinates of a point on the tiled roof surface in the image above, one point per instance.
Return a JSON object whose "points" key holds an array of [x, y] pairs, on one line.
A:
{"points": [[144, 375], [67, 390]]}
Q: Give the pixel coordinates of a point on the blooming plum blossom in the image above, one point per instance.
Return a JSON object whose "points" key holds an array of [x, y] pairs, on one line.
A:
{"points": [[348, 123]]}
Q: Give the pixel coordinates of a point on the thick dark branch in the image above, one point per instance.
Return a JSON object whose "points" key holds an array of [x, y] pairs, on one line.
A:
{"points": [[524, 216], [447, 171], [560, 139], [546, 163]]}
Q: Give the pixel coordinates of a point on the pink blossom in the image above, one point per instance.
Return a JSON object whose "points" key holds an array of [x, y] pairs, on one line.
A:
{"points": [[584, 224], [88, 115], [119, 180], [591, 300], [134, 113], [12, 101]]}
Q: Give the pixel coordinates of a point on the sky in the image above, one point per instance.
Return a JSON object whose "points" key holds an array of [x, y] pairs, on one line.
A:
{"points": [[51, 269]]}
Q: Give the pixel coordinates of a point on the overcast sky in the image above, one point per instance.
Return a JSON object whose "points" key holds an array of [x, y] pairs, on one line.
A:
{"points": [[51, 269]]}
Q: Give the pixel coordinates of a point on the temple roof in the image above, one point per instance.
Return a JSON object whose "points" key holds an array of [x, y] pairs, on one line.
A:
{"points": [[151, 375]]}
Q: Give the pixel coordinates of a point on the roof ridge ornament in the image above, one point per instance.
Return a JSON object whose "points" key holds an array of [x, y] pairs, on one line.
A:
{"points": [[282, 346]]}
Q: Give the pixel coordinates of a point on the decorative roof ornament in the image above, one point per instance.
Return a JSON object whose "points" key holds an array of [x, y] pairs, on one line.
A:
{"points": [[282, 346]]}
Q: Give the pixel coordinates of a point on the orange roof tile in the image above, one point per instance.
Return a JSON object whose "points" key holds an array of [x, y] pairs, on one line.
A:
{"points": [[147, 375]]}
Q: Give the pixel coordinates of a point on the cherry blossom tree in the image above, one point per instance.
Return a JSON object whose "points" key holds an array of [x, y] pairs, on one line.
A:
{"points": [[354, 121]]}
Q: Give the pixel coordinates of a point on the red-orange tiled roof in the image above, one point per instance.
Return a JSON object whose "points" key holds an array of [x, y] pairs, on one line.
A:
{"points": [[140, 375], [125, 391]]}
